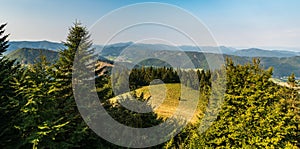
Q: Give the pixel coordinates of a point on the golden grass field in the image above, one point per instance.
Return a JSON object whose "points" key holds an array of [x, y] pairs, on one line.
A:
{"points": [[164, 98]]}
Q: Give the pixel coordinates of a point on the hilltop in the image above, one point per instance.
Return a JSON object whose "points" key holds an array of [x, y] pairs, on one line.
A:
{"points": [[14, 45], [29, 56]]}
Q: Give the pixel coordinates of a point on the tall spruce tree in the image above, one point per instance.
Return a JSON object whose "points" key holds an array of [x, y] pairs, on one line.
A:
{"points": [[9, 106], [75, 130]]}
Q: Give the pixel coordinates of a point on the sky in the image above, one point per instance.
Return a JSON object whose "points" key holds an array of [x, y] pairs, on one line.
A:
{"points": [[273, 24]]}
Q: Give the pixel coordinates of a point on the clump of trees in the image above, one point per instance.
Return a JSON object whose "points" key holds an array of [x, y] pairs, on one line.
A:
{"points": [[256, 113], [38, 108], [143, 76]]}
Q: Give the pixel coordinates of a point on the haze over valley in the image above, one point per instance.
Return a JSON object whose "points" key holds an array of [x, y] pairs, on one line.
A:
{"points": [[284, 62]]}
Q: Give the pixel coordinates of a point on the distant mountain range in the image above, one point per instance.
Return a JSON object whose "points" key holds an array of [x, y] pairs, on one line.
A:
{"points": [[116, 49], [15, 45], [284, 62], [30, 55], [254, 52]]}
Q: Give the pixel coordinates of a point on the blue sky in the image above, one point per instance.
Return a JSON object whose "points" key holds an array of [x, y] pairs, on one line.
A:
{"points": [[236, 23]]}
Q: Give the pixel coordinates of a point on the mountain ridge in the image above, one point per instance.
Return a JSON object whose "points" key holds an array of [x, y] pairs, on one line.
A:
{"points": [[117, 48], [283, 66], [44, 44]]}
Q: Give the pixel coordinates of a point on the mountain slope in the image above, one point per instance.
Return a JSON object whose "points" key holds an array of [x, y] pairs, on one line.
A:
{"points": [[14, 45], [113, 50], [282, 66], [253, 52], [284, 62], [30, 56]]}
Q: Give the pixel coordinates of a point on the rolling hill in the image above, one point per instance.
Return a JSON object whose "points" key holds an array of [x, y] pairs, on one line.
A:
{"points": [[283, 66], [284, 62], [14, 45], [30, 56], [116, 49], [253, 52]]}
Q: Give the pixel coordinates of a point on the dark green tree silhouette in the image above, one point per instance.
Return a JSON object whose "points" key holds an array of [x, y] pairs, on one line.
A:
{"points": [[75, 131], [9, 105]]}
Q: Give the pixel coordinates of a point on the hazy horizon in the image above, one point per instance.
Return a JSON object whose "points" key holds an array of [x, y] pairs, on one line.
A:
{"points": [[239, 24], [292, 49]]}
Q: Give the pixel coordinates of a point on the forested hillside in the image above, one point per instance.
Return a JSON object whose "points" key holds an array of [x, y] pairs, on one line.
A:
{"points": [[283, 66], [31, 56], [15, 45]]}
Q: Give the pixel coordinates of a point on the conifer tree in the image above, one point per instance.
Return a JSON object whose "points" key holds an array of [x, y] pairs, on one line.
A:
{"points": [[3, 40], [78, 42], [8, 104], [38, 109], [254, 113]]}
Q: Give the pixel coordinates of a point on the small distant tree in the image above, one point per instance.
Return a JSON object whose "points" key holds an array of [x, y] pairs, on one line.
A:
{"points": [[292, 80]]}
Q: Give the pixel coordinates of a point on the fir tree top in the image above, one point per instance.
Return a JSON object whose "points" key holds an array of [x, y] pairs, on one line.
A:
{"points": [[3, 40]]}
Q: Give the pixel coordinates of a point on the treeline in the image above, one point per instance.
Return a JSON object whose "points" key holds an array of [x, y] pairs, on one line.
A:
{"points": [[190, 78], [144, 76]]}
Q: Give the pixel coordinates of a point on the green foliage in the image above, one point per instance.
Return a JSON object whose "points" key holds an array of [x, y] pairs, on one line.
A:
{"points": [[131, 118], [144, 76], [38, 108], [75, 131], [48, 115], [256, 113], [3, 40], [9, 106]]}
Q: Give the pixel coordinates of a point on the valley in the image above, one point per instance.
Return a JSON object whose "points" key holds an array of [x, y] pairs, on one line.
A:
{"points": [[283, 62]]}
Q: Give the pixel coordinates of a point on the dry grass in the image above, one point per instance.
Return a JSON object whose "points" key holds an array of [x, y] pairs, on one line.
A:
{"points": [[164, 98]]}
